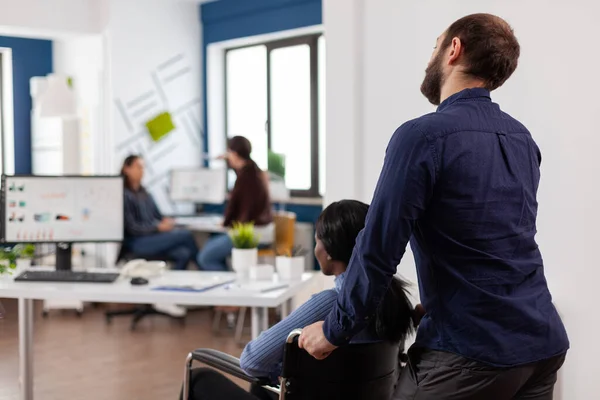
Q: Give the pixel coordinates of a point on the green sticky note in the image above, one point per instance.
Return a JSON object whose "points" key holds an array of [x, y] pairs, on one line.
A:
{"points": [[160, 126]]}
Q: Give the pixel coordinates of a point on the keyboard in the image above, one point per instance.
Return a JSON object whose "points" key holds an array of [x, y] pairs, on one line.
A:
{"points": [[67, 276]]}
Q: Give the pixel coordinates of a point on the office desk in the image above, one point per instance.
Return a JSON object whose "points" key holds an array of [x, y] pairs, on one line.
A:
{"points": [[123, 292], [208, 223]]}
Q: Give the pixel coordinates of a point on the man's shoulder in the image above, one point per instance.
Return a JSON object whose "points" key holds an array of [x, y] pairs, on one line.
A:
{"points": [[421, 128], [438, 124], [425, 124]]}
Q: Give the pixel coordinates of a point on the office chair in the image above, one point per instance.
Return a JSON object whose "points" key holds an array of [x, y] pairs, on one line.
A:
{"points": [[285, 224], [138, 312], [355, 372]]}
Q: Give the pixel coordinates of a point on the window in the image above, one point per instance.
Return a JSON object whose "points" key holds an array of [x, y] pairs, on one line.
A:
{"points": [[275, 97]]}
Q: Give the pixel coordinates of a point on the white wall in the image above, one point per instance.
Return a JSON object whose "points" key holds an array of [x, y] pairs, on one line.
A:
{"points": [[554, 92], [155, 48], [41, 18], [82, 59]]}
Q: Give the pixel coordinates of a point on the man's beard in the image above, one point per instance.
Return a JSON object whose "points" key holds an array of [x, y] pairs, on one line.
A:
{"points": [[434, 79]]}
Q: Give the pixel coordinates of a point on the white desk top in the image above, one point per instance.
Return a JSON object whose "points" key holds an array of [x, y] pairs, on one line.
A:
{"points": [[202, 223], [123, 292]]}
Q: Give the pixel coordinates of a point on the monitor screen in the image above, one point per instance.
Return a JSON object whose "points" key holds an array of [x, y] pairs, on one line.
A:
{"points": [[198, 185], [62, 209]]}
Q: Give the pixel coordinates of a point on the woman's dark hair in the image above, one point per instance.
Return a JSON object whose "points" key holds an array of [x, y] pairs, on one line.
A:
{"points": [[394, 317], [241, 146], [339, 225], [128, 162], [337, 228]]}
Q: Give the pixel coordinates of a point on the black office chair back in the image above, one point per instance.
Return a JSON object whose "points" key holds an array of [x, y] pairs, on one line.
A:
{"points": [[355, 372], [126, 255]]}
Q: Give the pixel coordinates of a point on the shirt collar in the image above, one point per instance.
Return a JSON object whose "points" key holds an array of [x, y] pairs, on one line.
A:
{"points": [[467, 94], [339, 281]]}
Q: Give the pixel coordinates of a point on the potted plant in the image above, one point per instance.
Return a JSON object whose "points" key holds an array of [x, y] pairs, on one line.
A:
{"points": [[245, 248], [8, 263], [25, 254], [16, 256], [290, 264]]}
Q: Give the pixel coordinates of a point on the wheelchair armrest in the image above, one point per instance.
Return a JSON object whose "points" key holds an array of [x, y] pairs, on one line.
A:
{"points": [[225, 363]]}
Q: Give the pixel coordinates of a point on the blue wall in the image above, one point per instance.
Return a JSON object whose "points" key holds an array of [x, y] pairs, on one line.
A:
{"points": [[232, 19], [304, 213], [31, 57]]}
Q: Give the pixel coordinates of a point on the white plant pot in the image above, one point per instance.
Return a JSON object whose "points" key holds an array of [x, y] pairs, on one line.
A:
{"points": [[289, 268], [8, 275], [242, 260], [23, 264]]}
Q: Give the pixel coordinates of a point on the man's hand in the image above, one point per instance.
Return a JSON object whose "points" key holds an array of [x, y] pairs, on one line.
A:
{"points": [[313, 340]]}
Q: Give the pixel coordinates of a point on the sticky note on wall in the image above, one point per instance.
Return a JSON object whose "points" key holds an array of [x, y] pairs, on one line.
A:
{"points": [[160, 126]]}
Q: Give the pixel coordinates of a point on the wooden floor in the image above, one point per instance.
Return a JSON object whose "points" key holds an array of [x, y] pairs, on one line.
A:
{"points": [[85, 359]]}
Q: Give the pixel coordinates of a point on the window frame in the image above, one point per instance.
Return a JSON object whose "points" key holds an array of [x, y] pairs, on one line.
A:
{"points": [[312, 40]]}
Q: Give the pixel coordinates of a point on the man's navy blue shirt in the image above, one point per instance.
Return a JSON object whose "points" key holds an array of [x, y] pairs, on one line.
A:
{"points": [[461, 185]]}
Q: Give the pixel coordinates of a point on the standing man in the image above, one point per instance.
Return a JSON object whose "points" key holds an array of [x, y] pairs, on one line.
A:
{"points": [[461, 183]]}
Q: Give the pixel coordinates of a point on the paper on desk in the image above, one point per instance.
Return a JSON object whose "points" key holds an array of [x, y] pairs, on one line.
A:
{"points": [[193, 288], [257, 286]]}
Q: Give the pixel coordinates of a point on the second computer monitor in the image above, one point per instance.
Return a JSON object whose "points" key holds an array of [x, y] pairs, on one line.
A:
{"points": [[201, 185], [44, 209]]}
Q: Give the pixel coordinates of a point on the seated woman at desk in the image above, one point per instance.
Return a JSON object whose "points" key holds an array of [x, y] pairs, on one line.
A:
{"points": [[336, 232], [147, 232], [248, 202]]}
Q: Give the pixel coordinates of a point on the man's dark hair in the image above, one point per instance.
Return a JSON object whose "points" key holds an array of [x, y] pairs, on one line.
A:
{"points": [[339, 225], [491, 50]]}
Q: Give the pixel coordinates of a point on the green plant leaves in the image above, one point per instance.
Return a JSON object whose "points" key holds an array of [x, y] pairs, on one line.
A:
{"points": [[242, 236]]}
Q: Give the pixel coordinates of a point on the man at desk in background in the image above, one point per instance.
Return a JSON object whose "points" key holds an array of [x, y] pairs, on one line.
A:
{"points": [[462, 182], [147, 233]]}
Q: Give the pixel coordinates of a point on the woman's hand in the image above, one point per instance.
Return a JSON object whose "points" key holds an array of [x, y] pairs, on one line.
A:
{"points": [[166, 225]]}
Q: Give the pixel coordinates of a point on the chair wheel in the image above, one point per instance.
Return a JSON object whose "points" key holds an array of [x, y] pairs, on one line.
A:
{"points": [[45, 314]]}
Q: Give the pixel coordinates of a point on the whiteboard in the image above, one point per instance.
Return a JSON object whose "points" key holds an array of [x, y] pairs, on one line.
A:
{"points": [[63, 209], [198, 185]]}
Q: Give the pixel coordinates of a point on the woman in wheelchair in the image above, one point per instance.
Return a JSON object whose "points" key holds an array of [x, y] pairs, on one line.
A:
{"points": [[336, 232]]}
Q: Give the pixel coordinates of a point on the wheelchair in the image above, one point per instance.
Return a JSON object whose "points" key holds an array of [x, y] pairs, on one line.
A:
{"points": [[355, 372]]}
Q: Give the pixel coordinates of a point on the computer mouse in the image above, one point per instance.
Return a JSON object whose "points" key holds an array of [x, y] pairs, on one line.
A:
{"points": [[139, 281]]}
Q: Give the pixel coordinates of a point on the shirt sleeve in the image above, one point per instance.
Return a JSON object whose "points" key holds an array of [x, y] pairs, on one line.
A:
{"points": [[263, 357], [403, 191], [133, 226], [155, 210]]}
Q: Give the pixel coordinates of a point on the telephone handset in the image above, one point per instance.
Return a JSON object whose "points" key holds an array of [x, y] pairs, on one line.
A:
{"points": [[143, 269]]}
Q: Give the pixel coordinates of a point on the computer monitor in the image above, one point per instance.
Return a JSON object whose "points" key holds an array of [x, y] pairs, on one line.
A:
{"points": [[62, 210], [202, 185]]}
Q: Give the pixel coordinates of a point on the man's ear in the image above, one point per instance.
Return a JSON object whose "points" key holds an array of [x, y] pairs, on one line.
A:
{"points": [[455, 51]]}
